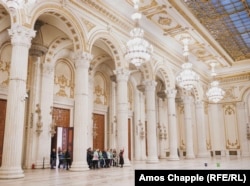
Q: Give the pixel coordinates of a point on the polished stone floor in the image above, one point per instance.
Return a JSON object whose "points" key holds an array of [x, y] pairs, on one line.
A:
{"points": [[119, 176]]}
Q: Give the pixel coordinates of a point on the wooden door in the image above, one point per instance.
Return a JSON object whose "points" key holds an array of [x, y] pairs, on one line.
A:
{"points": [[98, 131], [3, 104], [61, 118]]}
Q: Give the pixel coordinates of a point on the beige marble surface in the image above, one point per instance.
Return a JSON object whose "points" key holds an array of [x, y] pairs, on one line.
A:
{"points": [[115, 176]]}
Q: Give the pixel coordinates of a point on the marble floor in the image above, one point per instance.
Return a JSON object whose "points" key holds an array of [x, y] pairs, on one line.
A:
{"points": [[119, 176]]}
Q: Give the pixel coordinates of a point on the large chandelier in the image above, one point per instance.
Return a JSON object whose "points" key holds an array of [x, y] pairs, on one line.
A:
{"points": [[187, 78], [138, 50], [214, 93]]}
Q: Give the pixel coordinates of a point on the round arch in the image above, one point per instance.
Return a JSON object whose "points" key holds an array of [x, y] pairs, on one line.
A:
{"points": [[166, 74], [113, 45], [66, 17]]}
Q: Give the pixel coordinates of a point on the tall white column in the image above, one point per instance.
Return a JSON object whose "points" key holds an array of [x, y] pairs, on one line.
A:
{"points": [[81, 117], [91, 110], [34, 118], [188, 127], [42, 148], [34, 126], [122, 112], [172, 125], [151, 121], [201, 133], [216, 131], [242, 121], [137, 124], [113, 121], [14, 126]]}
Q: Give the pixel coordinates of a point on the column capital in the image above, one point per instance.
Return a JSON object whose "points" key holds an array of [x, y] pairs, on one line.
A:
{"points": [[21, 35], [82, 59], [122, 74], [149, 84], [199, 104], [171, 93]]}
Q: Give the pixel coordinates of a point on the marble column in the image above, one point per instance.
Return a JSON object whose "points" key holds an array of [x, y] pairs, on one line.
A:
{"points": [[34, 126], [45, 108], [112, 114], [91, 110], [215, 124], [201, 133], [122, 76], [81, 114], [151, 121], [242, 121], [172, 125], [188, 127], [15, 112], [137, 124]]}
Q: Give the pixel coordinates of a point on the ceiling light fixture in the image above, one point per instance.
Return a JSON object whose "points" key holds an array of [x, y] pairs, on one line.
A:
{"points": [[214, 93], [138, 50], [187, 78]]}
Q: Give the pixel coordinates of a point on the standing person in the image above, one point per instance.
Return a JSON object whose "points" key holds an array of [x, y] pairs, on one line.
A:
{"points": [[53, 158], [95, 159], [61, 158], [67, 157], [89, 157], [121, 159]]}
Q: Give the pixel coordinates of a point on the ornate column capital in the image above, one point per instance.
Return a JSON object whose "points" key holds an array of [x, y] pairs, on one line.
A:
{"points": [[150, 84], [171, 93], [122, 74], [82, 59], [21, 35], [199, 104]]}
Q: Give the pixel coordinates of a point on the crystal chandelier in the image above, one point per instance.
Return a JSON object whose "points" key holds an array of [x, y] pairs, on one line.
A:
{"points": [[138, 50], [187, 78], [214, 93]]}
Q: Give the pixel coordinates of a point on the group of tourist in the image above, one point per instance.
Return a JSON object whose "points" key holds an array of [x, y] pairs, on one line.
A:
{"points": [[95, 158], [104, 158], [63, 156]]}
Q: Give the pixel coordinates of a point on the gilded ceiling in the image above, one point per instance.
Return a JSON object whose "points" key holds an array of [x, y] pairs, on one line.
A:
{"points": [[228, 21]]}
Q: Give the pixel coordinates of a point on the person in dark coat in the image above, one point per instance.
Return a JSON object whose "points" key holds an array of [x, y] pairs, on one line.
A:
{"points": [[121, 159], [67, 157], [53, 158], [90, 157]]}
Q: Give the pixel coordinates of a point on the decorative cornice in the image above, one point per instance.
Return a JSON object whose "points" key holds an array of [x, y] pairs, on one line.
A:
{"points": [[237, 78]]}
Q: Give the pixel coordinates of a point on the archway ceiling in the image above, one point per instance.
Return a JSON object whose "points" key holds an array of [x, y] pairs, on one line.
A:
{"points": [[219, 29]]}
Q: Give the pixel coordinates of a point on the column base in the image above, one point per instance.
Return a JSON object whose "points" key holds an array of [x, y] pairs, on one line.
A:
{"points": [[203, 155], [190, 156], [79, 166], [173, 157], [11, 173], [152, 160]]}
